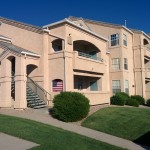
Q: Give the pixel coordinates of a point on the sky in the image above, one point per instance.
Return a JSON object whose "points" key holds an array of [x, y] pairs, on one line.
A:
{"points": [[43, 12]]}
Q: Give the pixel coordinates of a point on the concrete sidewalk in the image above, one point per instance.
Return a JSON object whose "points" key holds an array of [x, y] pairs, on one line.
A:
{"points": [[8, 142], [44, 117]]}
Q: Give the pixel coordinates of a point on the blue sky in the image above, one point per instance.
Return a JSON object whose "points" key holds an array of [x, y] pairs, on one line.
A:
{"points": [[37, 12]]}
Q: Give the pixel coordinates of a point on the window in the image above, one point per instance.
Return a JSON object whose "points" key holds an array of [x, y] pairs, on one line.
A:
{"points": [[124, 40], [57, 45], [125, 63], [115, 63], [114, 39], [93, 86], [57, 85], [126, 86], [116, 86]]}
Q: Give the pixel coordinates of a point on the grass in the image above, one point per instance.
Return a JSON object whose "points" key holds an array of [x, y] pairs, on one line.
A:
{"points": [[126, 122], [49, 137]]}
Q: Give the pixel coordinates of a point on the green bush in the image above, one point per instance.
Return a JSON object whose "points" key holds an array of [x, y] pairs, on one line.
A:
{"points": [[139, 98], [123, 94], [70, 106], [132, 102], [118, 99], [148, 102]]}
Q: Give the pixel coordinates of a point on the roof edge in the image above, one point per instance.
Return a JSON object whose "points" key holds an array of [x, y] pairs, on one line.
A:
{"points": [[6, 38], [103, 23], [70, 22], [21, 25]]}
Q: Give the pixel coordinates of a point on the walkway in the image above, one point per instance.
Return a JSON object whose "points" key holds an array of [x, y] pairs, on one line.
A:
{"points": [[44, 117], [8, 142]]}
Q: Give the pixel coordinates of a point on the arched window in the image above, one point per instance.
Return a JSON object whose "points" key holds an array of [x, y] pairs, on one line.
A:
{"points": [[57, 85]]}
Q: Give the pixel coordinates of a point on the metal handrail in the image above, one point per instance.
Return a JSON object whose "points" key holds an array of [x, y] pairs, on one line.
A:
{"points": [[90, 56], [44, 91]]}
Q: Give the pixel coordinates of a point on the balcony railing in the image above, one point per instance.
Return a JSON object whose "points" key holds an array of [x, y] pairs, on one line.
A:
{"points": [[147, 48], [90, 56]]}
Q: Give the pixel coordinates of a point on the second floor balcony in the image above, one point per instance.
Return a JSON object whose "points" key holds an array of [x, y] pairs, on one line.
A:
{"points": [[86, 62]]}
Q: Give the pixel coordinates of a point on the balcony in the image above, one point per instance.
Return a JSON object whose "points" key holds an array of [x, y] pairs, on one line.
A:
{"points": [[147, 51], [86, 62], [89, 56], [147, 73]]}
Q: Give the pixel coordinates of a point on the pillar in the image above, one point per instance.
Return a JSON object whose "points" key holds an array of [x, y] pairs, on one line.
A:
{"points": [[5, 83], [20, 84]]}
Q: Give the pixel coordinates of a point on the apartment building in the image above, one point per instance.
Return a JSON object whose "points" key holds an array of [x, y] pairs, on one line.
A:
{"points": [[95, 58], [129, 56]]}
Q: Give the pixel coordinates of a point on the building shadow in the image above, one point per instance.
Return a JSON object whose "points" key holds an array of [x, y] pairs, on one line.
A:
{"points": [[144, 140]]}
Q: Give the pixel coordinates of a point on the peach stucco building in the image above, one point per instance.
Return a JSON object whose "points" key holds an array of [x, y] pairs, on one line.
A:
{"points": [[74, 54]]}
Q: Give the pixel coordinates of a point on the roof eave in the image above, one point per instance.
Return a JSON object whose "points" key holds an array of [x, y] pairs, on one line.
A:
{"points": [[30, 54], [5, 38], [127, 29], [69, 22]]}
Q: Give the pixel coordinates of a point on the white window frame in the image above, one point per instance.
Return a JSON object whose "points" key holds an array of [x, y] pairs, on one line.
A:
{"points": [[116, 86], [125, 63], [115, 62], [125, 40], [126, 86], [114, 39]]}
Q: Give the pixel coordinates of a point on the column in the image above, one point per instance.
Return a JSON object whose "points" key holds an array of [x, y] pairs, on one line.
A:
{"points": [[20, 83], [5, 83]]}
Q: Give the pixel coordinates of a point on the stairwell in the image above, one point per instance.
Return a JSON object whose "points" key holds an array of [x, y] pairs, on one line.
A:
{"points": [[33, 99]]}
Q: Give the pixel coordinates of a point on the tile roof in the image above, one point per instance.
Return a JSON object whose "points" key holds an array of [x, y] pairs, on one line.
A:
{"points": [[21, 25], [100, 23], [14, 48]]}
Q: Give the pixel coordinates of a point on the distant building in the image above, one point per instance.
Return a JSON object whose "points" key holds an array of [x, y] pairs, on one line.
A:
{"points": [[95, 58]]}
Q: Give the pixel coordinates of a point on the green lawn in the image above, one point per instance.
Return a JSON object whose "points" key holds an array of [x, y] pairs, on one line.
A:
{"points": [[126, 122], [49, 137]]}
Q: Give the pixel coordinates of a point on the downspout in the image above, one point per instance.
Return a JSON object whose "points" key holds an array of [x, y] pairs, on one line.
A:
{"points": [[64, 71], [25, 73]]}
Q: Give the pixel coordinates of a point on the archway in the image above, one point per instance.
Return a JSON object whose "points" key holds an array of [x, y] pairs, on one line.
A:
{"points": [[86, 49], [145, 42], [57, 45], [31, 69]]}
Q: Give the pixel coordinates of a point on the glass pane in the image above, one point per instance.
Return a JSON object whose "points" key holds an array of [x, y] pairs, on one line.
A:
{"points": [[93, 86]]}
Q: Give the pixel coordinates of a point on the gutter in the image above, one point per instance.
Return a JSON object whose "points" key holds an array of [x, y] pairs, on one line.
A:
{"points": [[30, 54], [5, 38]]}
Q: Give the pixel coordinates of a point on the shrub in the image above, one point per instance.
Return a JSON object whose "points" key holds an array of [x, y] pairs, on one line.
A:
{"points": [[132, 102], [70, 106], [148, 102], [117, 99], [124, 95], [139, 98]]}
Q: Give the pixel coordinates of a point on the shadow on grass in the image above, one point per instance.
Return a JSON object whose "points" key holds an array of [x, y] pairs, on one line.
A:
{"points": [[144, 140]]}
